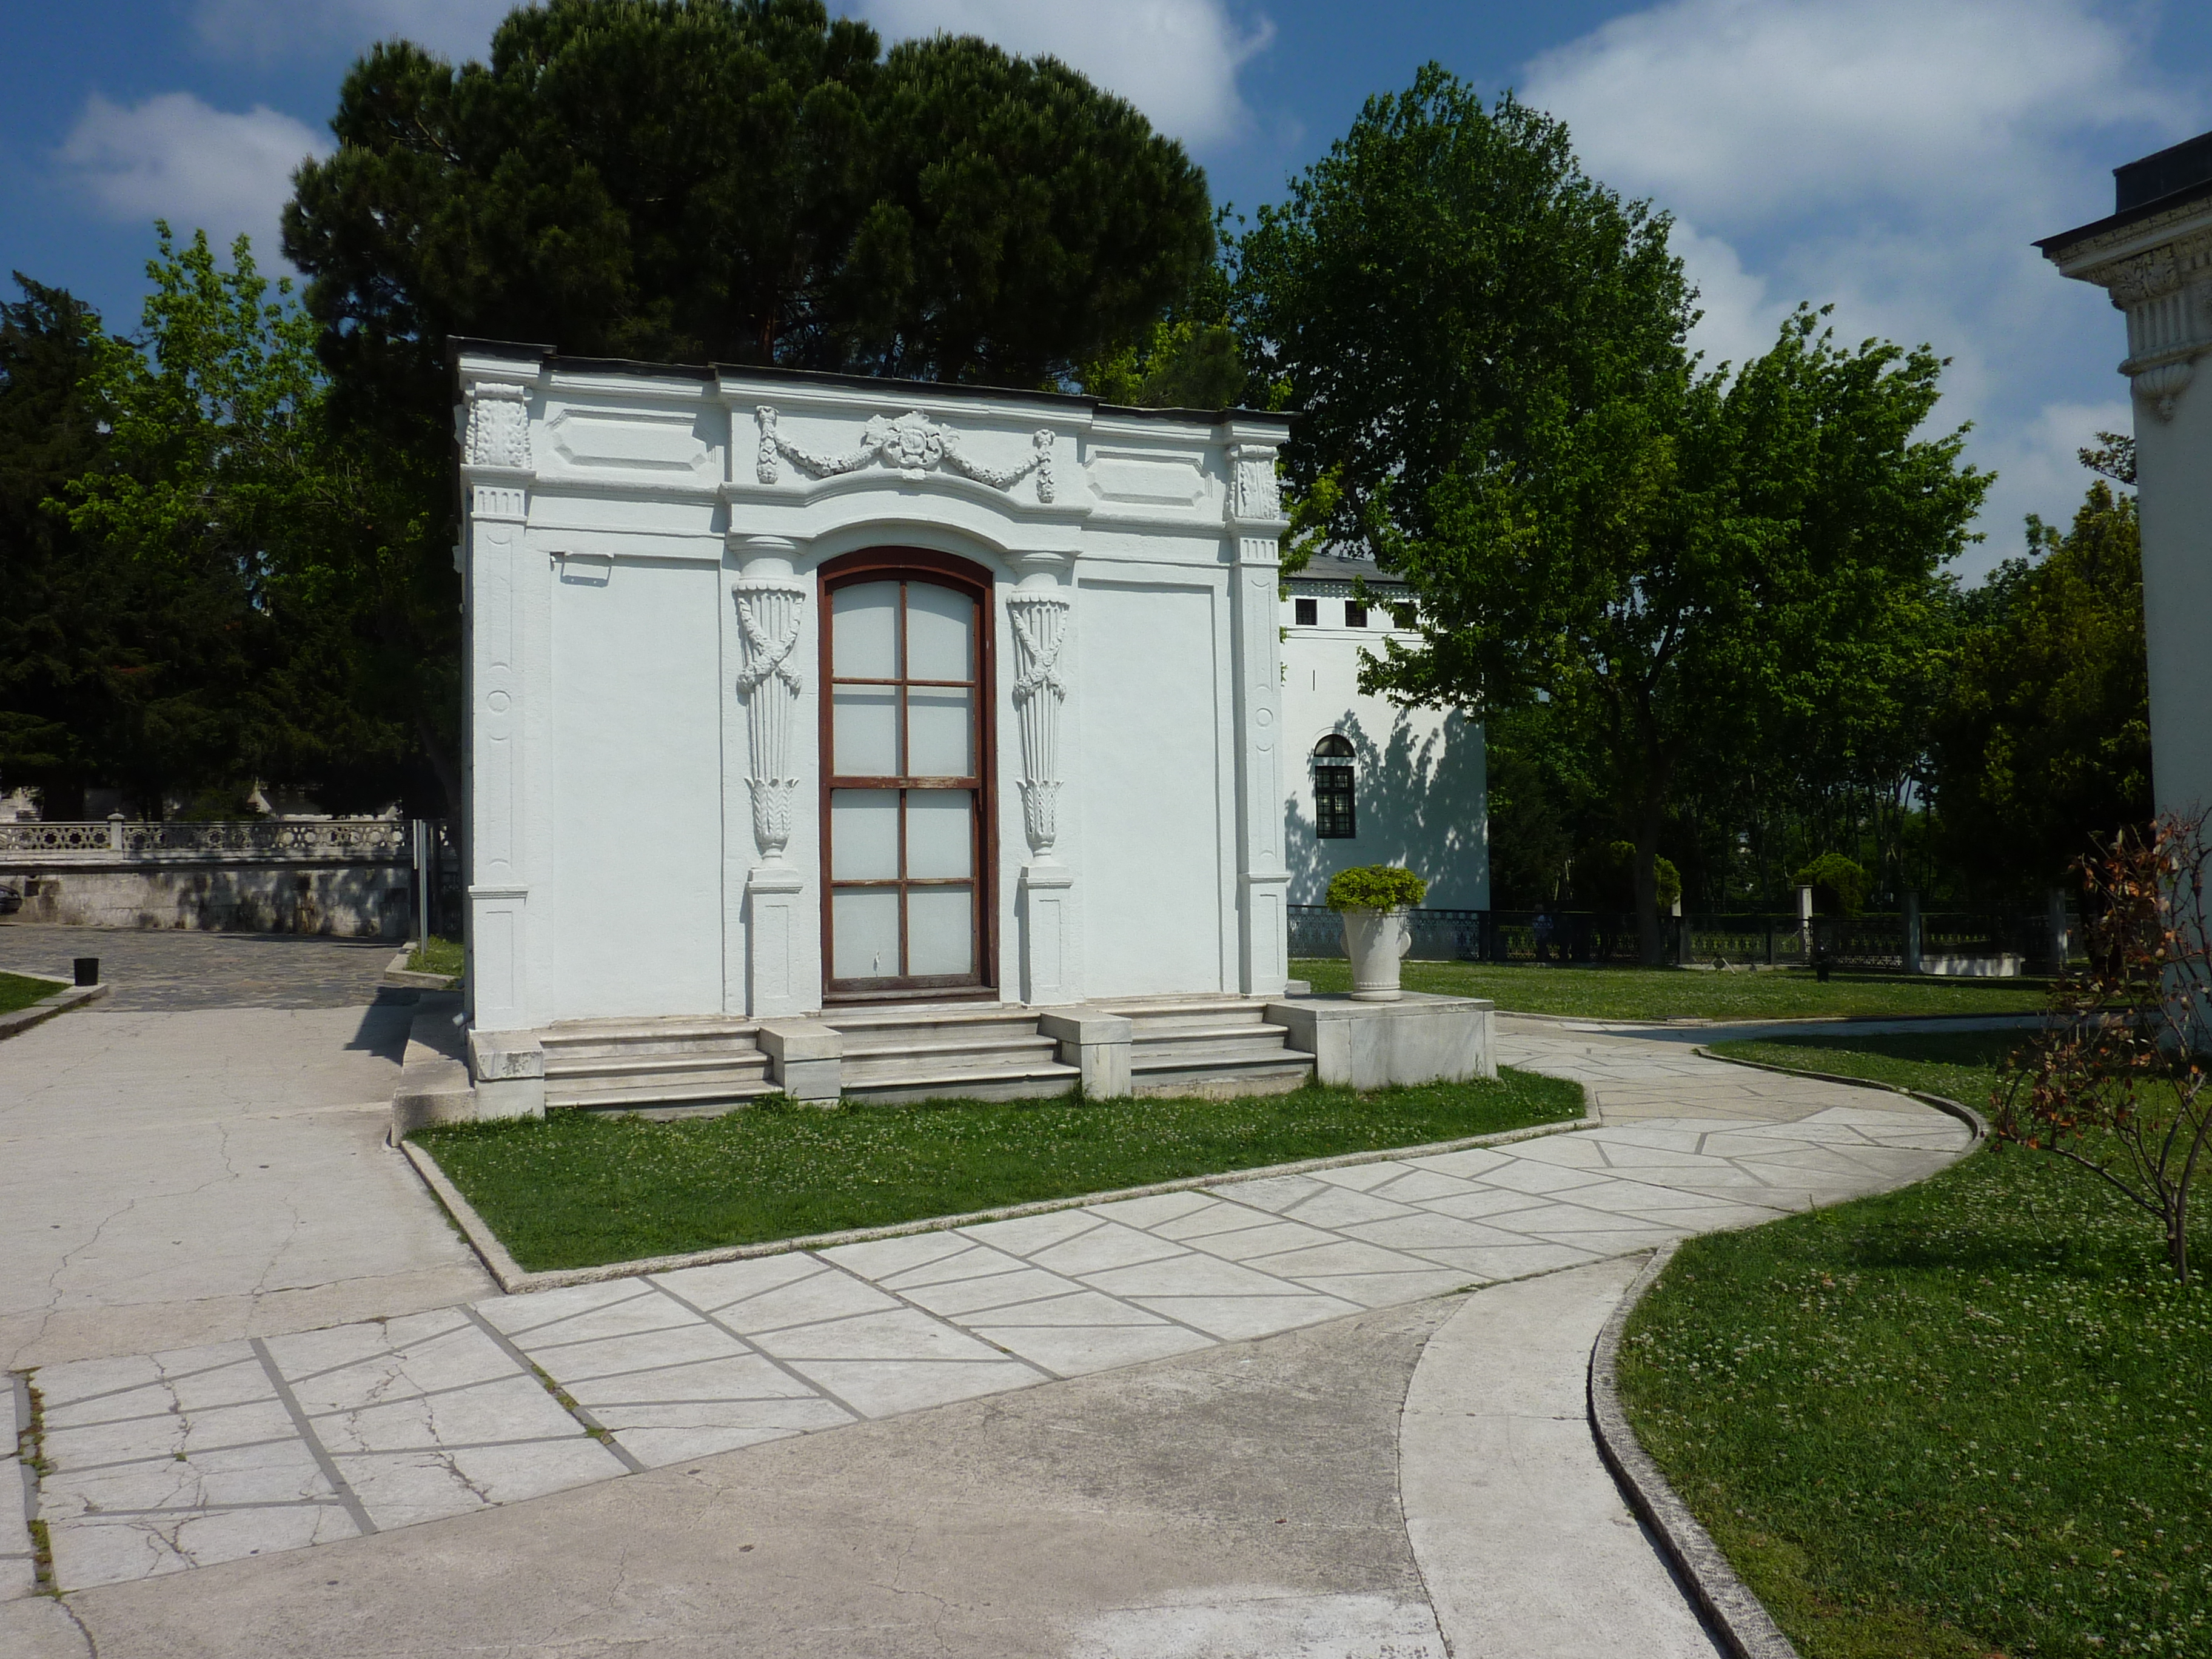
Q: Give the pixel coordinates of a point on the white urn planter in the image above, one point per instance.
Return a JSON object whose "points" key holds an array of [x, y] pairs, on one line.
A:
{"points": [[1376, 941]]}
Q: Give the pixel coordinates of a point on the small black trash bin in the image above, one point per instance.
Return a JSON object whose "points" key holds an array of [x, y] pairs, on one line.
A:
{"points": [[88, 970]]}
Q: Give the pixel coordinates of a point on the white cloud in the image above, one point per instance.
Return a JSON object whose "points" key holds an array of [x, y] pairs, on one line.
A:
{"points": [[2039, 470], [176, 158], [1736, 110], [264, 29], [1893, 158], [1176, 60]]}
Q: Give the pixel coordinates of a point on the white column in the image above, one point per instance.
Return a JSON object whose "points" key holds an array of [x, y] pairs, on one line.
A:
{"points": [[770, 610], [496, 477], [1040, 616], [1255, 521]]}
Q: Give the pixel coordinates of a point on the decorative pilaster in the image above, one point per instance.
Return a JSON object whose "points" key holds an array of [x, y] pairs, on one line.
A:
{"points": [[496, 476], [1039, 617], [1255, 521], [770, 609], [768, 601], [1039, 614]]}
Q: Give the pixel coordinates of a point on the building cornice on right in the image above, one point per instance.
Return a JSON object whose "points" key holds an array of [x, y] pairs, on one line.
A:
{"points": [[2157, 267]]}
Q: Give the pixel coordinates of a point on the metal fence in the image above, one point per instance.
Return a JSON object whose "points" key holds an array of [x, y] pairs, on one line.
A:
{"points": [[381, 841], [1778, 938]]}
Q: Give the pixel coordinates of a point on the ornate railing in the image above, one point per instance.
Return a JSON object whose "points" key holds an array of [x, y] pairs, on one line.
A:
{"points": [[1775, 940], [376, 840]]}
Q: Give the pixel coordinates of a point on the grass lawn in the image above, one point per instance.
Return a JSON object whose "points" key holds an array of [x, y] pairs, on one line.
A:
{"points": [[1967, 1420], [1695, 994], [577, 1188], [19, 991], [438, 955]]}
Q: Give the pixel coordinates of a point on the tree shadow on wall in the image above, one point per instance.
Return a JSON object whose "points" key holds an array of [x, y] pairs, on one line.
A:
{"points": [[1418, 801]]}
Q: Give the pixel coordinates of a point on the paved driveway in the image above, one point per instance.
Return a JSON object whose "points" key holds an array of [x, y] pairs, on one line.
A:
{"points": [[199, 1156], [171, 972]]}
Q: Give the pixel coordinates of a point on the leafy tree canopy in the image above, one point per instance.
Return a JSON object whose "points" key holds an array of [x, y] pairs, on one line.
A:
{"points": [[1444, 294], [2043, 746], [742, 181]]}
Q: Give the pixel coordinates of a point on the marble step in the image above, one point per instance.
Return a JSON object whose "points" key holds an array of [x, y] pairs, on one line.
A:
{"points": [[888, 1083], [607, 1038], [1206, 1039], [655, 1062], [650, 1096], [1260, 1074], [947, 1059]]}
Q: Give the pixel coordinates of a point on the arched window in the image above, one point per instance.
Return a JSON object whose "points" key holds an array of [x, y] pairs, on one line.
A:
{"points": [[1332, 758]]}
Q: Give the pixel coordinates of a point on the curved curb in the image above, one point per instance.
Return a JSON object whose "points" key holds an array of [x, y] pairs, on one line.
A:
{"points": [[1743, 1627], [1966, 1114], [70, 996], [515, 1279]]}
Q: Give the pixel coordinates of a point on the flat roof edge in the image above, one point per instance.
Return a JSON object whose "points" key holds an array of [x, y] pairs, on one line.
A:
{"points": [[549, 357]]}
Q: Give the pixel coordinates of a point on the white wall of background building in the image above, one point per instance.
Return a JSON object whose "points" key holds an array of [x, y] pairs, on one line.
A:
{"points": [[1420, 788]]}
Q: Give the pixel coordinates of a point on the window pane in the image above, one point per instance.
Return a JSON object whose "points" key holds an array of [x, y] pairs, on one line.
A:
{"points": [[1355, 616], [940, 632], [864, 631], [1309, 612], [864, 835], [939, 842], [864, 725], [937, 733], [939, 930], [864, 933]]}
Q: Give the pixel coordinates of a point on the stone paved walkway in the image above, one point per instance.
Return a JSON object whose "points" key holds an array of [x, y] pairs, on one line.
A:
{"points": [[175, 1459], [173, 972]]}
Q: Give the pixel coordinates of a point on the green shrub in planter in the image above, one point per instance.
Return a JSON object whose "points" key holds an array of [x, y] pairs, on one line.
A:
{"points": [[1375, 887]]}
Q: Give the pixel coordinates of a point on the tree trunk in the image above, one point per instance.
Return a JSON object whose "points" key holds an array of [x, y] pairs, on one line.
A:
{"points": [[1650, 941]]}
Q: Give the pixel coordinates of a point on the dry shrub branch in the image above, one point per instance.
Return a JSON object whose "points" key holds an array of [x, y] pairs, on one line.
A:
{"points": [[2115, 1083]]}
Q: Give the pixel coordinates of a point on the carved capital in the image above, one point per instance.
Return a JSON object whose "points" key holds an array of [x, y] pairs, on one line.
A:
{"points": [[1253, 491], [498, 426]]}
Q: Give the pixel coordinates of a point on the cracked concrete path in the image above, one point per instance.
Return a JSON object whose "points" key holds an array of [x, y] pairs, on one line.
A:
{"points": [[174, 1178], [1254, 1420]]}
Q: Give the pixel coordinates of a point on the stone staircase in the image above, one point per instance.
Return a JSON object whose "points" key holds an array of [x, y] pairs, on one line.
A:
{"points": [[1216, 1045], [693, 1066], [658, 1068], [993, 1052]]}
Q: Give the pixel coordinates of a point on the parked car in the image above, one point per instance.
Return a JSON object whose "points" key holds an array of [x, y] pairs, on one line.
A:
{"points": [[10, 901]]}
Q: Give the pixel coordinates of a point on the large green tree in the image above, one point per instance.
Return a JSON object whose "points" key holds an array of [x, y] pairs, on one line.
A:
{"points": [[1703, 576], [221, 458], [114, 670], [2044, 746], [1443, 294], [746, 181]]}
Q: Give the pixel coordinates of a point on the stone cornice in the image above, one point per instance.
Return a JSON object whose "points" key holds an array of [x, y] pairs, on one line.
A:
{"points": [[2158, 270]]}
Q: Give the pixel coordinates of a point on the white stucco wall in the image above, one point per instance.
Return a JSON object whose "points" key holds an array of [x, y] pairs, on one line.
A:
{"points": [[643, 545], [1421, 789]]}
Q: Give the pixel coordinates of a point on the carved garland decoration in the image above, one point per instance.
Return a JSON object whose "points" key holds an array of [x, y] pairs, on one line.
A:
{"points": [[770, 611], [1040, 629], [912, 443]]}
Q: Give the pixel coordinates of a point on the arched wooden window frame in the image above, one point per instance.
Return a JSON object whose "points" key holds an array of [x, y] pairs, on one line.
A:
{"points": [[949, 570]]}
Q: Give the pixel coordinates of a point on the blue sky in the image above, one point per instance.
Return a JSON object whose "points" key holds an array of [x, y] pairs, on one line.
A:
{"points": [[1891, 157]]}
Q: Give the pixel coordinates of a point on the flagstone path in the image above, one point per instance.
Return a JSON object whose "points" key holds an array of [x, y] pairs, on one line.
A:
{"points": [[166, 1461]]}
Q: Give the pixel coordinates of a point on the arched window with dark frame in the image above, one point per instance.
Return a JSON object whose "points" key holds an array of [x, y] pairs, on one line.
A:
{"points": [[1333, 766]]}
